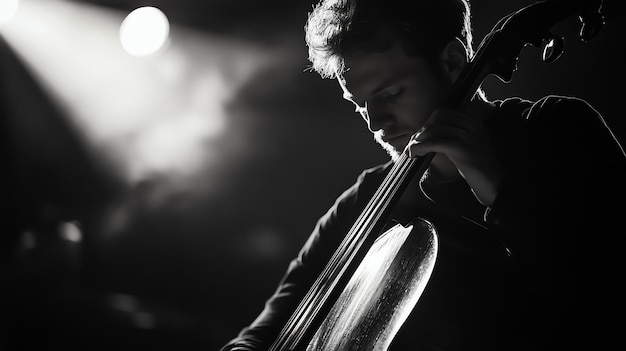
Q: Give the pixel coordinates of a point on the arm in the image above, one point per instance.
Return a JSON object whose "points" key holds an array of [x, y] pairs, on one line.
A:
{"points": [[568, 165], [305, 268], [561, 210]]}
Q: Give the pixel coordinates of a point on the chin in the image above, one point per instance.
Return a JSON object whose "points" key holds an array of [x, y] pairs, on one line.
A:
{"points": [[390, 149]]}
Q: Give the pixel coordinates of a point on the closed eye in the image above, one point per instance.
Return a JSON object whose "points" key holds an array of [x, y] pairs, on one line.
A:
{"points": [[389, 92]]}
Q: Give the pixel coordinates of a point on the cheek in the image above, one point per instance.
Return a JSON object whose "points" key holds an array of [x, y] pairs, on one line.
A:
{"points": [[421, 102], [414, 112]]}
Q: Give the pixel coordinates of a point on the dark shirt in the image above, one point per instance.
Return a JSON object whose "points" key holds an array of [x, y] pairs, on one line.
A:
{"points": [[536, 270]]}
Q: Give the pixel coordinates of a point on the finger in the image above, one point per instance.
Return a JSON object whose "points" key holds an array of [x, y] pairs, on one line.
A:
{"points": [[453, 119], [452, 141], [441, 145], [441, 132]]}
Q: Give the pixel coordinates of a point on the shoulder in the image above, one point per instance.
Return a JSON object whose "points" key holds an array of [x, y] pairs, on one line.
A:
{"points": [[552, 104], [567, 115], [529, 109]]}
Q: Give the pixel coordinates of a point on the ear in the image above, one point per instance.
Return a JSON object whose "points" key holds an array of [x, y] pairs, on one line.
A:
{"points": [[454, 58]]}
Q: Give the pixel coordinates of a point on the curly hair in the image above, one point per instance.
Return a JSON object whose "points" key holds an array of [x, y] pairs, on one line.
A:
{"points": [[337, 29]]}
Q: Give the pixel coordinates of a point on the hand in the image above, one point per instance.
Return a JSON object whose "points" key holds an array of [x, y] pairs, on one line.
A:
{"points": [[465, 142]]}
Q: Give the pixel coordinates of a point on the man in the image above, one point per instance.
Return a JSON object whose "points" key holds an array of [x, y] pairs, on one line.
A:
{"points": [[522, 193]]}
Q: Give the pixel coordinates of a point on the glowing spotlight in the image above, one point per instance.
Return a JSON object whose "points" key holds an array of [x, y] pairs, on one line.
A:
{"points": [[70, 231], [8, 9], [162, 119], [144, 31]]}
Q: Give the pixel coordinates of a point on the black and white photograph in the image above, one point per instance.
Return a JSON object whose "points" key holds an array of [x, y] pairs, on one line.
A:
{"points": [[319, 175]]}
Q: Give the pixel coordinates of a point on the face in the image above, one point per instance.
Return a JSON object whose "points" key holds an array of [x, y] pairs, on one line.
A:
{"points": [[395, 94]]}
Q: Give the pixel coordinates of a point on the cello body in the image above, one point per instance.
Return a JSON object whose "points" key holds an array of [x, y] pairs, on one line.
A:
{"points": [[382, 291]]}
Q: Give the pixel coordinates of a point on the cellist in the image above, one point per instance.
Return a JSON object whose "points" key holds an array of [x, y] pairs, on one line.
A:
{"points": [[527, 196]]}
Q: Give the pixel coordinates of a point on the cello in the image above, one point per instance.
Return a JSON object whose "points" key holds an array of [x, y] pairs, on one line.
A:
{"points": [[375, 277]]}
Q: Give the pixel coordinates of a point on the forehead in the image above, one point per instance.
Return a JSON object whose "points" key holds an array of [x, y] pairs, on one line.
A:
{"points": [[369, 72]]}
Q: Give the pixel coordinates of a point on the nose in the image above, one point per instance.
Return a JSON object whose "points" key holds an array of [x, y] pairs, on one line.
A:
{"points": [[377, 117]]}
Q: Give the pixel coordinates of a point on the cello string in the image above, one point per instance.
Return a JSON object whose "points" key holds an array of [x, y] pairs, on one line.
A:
{"points": [[349, 248], [330, 271]]}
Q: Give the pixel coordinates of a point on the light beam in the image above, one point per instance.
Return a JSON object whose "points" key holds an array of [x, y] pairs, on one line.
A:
{"points": [[144, 116]]}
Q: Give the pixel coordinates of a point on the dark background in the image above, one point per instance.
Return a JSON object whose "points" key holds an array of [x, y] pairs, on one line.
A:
{"points": [[186, 269]]}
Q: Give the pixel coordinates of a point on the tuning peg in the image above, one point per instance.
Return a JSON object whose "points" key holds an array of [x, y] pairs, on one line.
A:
{"points": [[552, 48], [592, 23]]}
